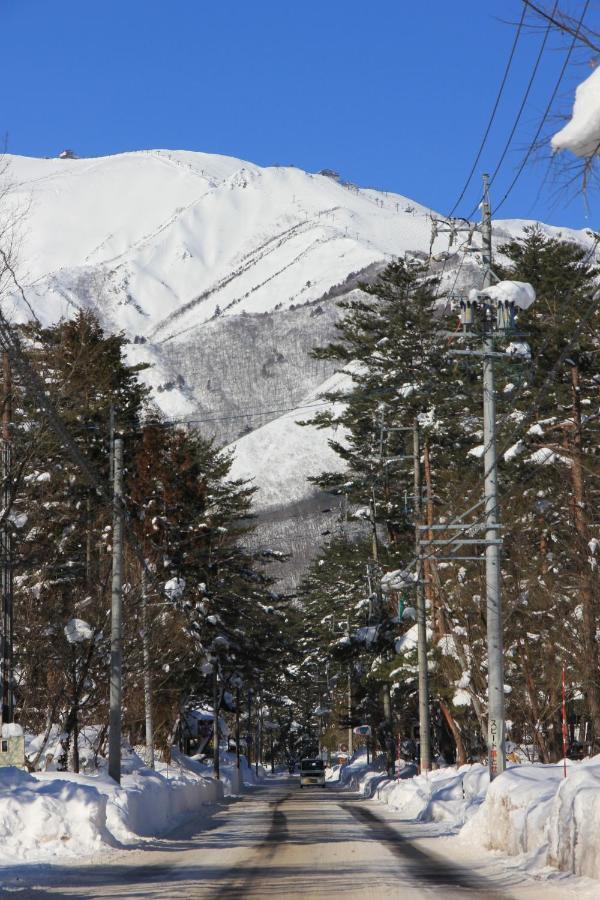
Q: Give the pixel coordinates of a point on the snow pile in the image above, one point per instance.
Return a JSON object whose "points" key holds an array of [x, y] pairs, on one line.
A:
{"points": [[11, 729], [531, 810], [443, 795], [50, 815], [534, 810], [233, 780], [42, 820], [358, 774], [151, 802], [581, 135]]}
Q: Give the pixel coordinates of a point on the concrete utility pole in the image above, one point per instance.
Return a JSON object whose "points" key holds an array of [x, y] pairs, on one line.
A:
{"points": [[116, 630], [7, 567], [216, 759], [424, 724], [390, 749], [237, 727], [147, 676], [496, 726], [249, 730]]}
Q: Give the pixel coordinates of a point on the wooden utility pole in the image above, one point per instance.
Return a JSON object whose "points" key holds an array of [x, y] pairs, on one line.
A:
{"points": [[7, 569]]}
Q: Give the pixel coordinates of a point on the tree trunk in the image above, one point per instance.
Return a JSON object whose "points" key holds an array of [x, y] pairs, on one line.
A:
{"points": [[461, 755], [586, 589], [538, 735]]}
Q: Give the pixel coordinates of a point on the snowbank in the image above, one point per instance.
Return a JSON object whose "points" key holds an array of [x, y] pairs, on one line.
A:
{"points": [[531, 811], [534, 810], [57, 815], [41, 820], [232, 779], [443, 795]]}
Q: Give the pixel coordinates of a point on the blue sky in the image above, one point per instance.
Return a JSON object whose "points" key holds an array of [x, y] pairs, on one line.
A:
{"points": [[392, 94]]}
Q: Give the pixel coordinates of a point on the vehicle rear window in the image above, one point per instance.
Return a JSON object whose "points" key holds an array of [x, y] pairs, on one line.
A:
{"points": [[311, 764]]}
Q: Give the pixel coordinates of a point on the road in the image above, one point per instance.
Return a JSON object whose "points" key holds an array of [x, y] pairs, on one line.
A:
{"points": [[282, 842]]}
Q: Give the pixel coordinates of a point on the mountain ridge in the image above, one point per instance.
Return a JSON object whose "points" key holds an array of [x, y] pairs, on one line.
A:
{"points": [[223, 275]]}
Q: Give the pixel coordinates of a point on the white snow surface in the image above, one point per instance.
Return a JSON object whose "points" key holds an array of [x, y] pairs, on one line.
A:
{"points": [[520, 293], [408, 641], [158, 242], [56, 816], [581, 134], [77, 630], [51, 815], [280, 456], [531, 811]]}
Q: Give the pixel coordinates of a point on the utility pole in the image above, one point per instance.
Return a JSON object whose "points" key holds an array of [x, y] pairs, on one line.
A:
{"points": [[258, 747], [249, 729], [491, 320], [424, 724], [147, 676], [216, 760], [237, 726], [7, 571], [390, 748], [116, 629], [496, 726], [349, 707], [349, 692]]}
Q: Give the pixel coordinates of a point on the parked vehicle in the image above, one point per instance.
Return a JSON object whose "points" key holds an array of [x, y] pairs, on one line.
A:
{"points": [[312, 771]]}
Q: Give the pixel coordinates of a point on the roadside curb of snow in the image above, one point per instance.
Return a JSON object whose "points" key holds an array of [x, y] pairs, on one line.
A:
{"points": [[545, 822], [53, 816]]}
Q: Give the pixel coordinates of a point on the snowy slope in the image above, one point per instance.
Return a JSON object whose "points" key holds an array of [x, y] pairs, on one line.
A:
{"points": [[162, 239], [281, 455], [166, 245], [159, 242]]}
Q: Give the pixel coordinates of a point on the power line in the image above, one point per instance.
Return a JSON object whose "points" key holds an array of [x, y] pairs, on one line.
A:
{"points": [[494, 110], [525, 97], [546, 111]]}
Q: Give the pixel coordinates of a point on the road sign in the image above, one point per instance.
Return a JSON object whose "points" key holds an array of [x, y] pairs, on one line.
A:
{"points": [[362, 729]]}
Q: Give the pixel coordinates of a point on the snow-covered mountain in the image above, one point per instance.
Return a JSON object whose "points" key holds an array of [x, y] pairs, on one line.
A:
{"points": [[224, 275]]}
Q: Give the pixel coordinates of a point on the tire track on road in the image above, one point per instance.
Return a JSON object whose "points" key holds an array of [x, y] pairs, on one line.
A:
{"points": [[278, 833], [424, 869]]}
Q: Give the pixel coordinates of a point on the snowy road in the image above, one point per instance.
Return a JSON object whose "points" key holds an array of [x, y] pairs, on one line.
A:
{"points": [[280, 841]]}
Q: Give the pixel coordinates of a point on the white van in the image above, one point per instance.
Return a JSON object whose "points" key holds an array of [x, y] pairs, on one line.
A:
{"points": [[312, 771]]}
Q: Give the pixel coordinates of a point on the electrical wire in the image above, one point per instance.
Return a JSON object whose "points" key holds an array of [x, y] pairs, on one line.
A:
{"points": [[533, 143], [525, 97], [494, 110]]}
